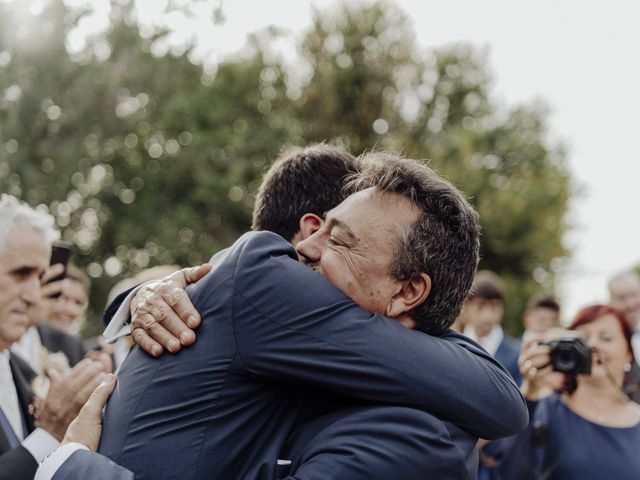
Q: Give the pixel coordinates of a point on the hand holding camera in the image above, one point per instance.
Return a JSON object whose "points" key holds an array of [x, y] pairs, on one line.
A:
{"points": [[544, 363], [570, 354]]}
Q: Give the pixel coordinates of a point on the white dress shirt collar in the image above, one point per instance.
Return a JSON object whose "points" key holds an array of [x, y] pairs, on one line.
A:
{"points": [[9, 396], [490, 342]]}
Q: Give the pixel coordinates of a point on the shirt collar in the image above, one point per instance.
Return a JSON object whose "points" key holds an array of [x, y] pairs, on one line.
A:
{"points": [[490, 342]]}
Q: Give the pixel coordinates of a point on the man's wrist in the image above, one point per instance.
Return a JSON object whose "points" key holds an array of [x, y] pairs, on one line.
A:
{"points": [[52, 463]]}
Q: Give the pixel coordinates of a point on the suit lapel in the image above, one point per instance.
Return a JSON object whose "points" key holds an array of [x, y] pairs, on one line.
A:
{"points": [[45, 338], [4, 442], [22, 377]]}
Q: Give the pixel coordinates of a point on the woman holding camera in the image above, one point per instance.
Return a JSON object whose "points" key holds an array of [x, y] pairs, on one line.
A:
{"points": [[590, 429]]}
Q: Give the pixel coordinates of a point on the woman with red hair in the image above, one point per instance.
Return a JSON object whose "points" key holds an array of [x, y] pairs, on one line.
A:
{"points": [[589, 429]]}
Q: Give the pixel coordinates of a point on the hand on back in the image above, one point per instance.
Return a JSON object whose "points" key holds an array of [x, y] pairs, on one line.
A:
{"points": [[162, 315]]}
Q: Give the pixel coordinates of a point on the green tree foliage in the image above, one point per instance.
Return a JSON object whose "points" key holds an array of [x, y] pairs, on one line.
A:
{"points": [[375, 87], [146, 158]]}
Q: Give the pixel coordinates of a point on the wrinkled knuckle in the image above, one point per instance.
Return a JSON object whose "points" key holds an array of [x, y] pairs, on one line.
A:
{"points": [[163, 289], [142, 305], [155, 331], [174, 297], [135, 322], [138, 336], [163, 316], [147, 322]]}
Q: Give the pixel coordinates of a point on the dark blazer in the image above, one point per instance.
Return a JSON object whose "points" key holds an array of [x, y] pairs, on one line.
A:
{"points": [[273, 333], [632, 381], [380, 443], [507, 354], [55, 340], [356, 443], [18, 463]]}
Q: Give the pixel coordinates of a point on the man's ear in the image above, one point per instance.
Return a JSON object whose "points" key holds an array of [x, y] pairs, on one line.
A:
{"points": [[412, 293], [310, 223]]}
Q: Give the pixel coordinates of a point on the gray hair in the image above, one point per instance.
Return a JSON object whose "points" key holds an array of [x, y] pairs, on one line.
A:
{"points": [[14, 212], [443, 242]]}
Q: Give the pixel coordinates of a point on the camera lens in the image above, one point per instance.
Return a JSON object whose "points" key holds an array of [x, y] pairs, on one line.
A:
{"points": [[571, 356], [565, 359]]}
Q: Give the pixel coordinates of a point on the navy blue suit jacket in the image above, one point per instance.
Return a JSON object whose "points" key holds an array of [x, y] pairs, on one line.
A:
{"points": [[273, 334], [356, 443], [507, 354], [380, 443]]}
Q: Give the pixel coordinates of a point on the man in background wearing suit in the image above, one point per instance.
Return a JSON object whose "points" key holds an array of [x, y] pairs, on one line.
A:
{"points": [[25, 248], [482, 313], [624, 293]]}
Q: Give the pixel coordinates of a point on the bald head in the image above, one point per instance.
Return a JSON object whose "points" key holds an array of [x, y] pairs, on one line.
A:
{"points": [[624, 293]]}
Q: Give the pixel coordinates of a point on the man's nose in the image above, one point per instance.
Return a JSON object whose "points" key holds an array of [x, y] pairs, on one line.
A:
{"points": [[31, 291]]}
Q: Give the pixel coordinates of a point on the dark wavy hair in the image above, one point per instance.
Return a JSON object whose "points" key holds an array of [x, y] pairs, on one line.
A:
{"points": [[301, 180], [443, 242]]}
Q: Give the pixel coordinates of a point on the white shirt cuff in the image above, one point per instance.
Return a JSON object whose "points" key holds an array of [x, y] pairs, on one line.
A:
{"points": [[40, 443], [53, 462], [120, 324]]}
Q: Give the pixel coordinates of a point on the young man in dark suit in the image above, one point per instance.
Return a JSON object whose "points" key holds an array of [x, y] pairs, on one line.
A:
{"points": [[482, 312]]}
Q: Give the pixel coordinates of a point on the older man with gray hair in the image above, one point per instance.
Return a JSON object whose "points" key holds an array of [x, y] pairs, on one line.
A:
{"points": [[624, 294], [25, 249]]}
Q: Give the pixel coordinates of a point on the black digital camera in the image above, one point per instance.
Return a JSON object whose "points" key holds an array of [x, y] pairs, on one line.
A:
{"points": [[570, 355]]}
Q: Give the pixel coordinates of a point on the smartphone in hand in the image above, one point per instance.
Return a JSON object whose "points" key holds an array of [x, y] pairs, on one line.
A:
{"points": [[60, 253]]}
